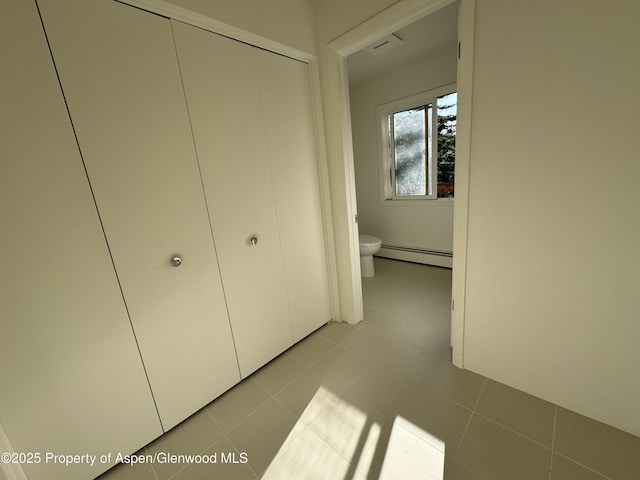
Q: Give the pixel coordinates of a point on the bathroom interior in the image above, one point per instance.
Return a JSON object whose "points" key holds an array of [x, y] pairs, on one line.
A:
{"points": [[407, 227]]}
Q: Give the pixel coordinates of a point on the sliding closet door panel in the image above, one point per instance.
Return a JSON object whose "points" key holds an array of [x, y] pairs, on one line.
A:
{"points": [[220, 82], [288, 118], [120, 75], [71, 376]]}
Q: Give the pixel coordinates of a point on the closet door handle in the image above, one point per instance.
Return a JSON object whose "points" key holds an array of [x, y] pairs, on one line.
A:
{"points": [[176, 261], [253, 241]]}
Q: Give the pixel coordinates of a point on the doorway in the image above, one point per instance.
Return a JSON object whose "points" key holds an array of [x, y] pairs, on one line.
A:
{"points": [[387, 22]]}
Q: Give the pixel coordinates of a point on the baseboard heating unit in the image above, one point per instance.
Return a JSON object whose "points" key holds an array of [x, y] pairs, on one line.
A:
{"points": [[427, 256]]}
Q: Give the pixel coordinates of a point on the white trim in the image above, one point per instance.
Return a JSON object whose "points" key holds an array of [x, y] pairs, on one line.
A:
{"points": [[351, 313], [335, 101], [466, 33], [325, 189]]}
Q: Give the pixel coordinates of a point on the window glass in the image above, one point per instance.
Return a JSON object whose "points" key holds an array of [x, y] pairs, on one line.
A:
{"points": [[447, 115], [417, 146], [411, 140]]}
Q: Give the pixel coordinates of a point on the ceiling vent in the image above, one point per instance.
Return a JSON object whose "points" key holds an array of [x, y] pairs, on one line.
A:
{"points": [[384, 44]]}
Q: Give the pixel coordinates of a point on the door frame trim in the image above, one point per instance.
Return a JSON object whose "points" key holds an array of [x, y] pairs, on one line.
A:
{"points": [[395, 17]]}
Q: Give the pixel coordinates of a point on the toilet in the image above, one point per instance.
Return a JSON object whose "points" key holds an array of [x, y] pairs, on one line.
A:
{"points": [[368, 246]]}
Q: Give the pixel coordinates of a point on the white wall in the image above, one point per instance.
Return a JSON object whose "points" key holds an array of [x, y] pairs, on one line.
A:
{"points": [[553, 259], [337, 17], [423, 225], [290, 22]]}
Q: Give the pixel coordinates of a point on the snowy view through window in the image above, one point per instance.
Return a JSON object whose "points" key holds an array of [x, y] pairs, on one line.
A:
{"points": [[412, 140]]}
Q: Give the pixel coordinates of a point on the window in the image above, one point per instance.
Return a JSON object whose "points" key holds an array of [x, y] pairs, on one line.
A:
{"points": [[410, 170]]}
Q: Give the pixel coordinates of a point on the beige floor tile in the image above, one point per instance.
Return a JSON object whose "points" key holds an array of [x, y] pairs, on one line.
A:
{"points": [[435, 316], [420, 305], [495, 453], [194, 435], [602, 448], [519, 411], [366, 343], [462, 386], [406, 360], [372, 457], [448, 463], [338, 331], [381, 387], [341, 366], [443, 351], [299, 393], [238, 403], [387, 324], [278, 373], [124, 472], [435, 415], [565, 469], [369, 457], [262, 433], [374, 415], [427, 337], [412, 453], [369, 311], [311, 349], [460, 472], [374, 303], [308, 457], [228, 464], [340, 424]]}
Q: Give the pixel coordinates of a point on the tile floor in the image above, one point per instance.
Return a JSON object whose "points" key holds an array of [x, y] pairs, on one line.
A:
{"points": [[335, 404]]}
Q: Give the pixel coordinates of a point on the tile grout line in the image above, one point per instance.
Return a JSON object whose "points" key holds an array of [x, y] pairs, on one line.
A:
{"points": [[515, 432], [466, 428], [586, 467], [553, 439], [229, 438], [187, 465], [153, 470]]}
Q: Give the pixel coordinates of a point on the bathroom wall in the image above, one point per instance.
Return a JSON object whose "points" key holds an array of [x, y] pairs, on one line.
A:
{"points": [[422, 225]]}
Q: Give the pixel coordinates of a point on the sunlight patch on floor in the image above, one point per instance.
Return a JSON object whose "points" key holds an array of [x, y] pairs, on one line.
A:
{"points": [[335, 440], [412, 453]]}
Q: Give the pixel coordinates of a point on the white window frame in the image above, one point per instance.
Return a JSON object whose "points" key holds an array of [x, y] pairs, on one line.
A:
{"points": [[386, 161]]}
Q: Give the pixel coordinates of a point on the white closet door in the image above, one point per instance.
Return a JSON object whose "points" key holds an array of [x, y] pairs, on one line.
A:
{"points": [[71, 377], [120, 75], [288, 121], [220, 82]]}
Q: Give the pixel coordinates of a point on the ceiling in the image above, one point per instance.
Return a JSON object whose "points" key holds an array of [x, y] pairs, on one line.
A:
{"points": [[421, 37]]}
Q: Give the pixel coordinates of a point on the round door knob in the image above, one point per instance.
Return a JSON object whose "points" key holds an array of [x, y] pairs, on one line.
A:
{"points": [[176, 261], [253, 241]]}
